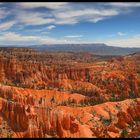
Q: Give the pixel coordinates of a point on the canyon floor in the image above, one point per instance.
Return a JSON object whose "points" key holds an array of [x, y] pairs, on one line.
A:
{"points": [[68, 94]]}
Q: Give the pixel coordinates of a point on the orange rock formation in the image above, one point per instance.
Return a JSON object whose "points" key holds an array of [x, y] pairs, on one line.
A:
{"points": [[41, 96]]}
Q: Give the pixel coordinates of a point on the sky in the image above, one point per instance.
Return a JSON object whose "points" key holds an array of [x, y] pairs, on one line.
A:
{"points": [[34, 23]]}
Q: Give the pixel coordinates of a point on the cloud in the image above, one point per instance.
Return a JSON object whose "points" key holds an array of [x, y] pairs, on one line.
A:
{"points": [[124, 4], [133, 41], [62, 13], [51, 27], [50, 5], [76, 15], [11, 36], [7, 25], [84, 12], [35, 18], [50, 14], [3, 13], [121, 34], [18, 39], [69, 21], [73, 36]]}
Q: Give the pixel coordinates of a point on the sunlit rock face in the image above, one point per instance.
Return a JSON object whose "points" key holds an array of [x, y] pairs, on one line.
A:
{"points": [[76, 95]]}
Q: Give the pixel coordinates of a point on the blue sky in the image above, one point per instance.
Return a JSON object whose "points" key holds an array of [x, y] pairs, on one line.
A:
{"points": [[116, 24]]}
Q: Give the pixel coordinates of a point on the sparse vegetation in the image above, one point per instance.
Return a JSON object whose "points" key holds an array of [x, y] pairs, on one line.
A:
{"points": [[79, 84]]}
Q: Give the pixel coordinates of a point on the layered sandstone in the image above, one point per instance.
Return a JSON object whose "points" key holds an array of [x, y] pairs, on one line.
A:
{"points": [[46, 94]]}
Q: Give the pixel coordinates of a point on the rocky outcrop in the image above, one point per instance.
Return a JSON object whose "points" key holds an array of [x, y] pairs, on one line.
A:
{"points": [[61, 95], [110, 80], [30, 117]]}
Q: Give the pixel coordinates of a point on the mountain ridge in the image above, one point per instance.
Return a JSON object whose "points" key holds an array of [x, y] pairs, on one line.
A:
{"points": [[97, 48]]}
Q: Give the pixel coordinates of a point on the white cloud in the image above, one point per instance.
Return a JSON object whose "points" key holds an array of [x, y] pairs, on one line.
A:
{"points": [[51, 27], [50, 5], [84, 12], [30, 18], [6, 25], [73, 36], [121, 34], [44, 39], [124, 4], [75, 15], [11, 36], [3, 13], [133, 41], [18, 39], [62, 13]]}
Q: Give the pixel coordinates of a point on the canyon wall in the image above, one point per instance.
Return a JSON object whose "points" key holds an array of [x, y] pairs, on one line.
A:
{"points": [[68, 95]]}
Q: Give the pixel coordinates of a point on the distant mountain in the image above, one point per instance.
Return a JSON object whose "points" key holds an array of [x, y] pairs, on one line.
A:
{"points": [[99, 49]]}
